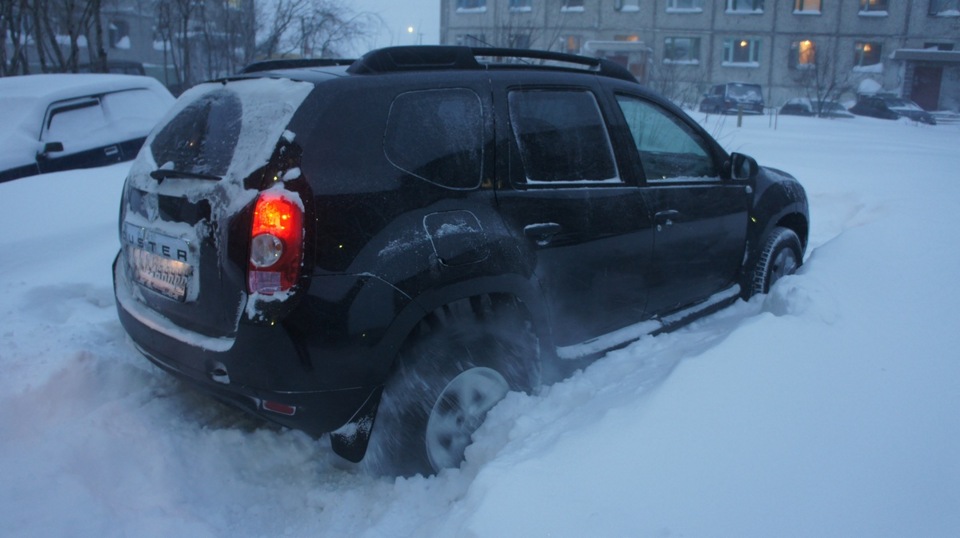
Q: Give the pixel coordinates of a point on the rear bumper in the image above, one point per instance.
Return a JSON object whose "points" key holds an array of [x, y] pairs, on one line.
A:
{"points": [[257, 371]]}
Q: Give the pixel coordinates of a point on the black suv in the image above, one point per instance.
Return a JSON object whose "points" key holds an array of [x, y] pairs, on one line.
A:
{"points": [[381, 250]]}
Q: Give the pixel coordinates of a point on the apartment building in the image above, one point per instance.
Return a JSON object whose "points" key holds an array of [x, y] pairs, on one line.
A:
{"points": [[791, 47]]}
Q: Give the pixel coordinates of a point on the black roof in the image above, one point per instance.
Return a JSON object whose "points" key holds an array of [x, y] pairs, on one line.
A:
{"points": [[441, 57]]}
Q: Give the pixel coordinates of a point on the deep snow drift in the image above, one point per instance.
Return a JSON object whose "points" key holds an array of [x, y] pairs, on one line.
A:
{"points": [[827, 408]]}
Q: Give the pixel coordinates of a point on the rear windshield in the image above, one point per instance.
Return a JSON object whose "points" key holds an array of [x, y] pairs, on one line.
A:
{"points": [[202, 137], [745, 91]]}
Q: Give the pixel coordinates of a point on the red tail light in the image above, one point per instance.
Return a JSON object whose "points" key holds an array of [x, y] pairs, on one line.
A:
{"points": [[276, 243]]}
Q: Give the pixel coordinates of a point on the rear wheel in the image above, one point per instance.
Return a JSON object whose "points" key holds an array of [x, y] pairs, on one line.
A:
{"points": [[781, 255], [461, 362]]}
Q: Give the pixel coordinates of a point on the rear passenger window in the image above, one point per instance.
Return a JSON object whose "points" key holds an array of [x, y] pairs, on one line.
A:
{"points": [[562, 136], [669, 148], [437, 135]]}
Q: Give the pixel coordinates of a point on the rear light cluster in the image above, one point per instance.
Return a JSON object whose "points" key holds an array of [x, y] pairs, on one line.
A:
{"points": [[276, 243]]}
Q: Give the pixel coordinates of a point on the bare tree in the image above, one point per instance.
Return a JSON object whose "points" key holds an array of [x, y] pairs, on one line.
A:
{"points": [[682, 83], [821, 79], [309, 28]]}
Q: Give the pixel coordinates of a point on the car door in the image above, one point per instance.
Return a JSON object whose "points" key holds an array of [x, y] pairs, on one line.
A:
{"points": [[585, 227], [75, 135], [699, 218]]}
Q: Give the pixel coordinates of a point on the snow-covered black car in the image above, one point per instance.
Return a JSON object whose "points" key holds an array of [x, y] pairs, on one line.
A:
{"points": [[891, 107], [733, 98], [67, 121], [381, 250]]}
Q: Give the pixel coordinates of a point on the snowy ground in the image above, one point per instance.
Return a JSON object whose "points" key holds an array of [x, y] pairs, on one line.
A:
{"points": [[831, 407]]}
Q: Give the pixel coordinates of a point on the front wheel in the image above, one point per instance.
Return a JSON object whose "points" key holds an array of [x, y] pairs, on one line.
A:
{"points": [[780, 255]]}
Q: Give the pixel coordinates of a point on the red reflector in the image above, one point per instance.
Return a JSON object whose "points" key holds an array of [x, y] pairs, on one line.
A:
{"points": [[278, 407]]}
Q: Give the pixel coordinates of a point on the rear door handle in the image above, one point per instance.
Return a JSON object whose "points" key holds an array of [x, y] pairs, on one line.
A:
{"points": [[665, 218], [542, 232]]}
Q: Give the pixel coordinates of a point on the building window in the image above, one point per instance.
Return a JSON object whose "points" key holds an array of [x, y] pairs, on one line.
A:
{"points": [[803, 54], [873, 6], [867, 56], [633, 38], [807, 6], [471, 6], [744, 6], [938, 46], [521, 5], [473, 40], [572, 44], [572, 5], [684, 6], [519, 41], [945, 8], [681, 50], [119, 34], [627, 5], [741, 52]]}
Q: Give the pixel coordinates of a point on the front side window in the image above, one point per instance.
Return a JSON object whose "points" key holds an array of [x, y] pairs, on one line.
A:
{"points": [[873, 5], [668, 147], [867, 54], [803, 54], [745, 6], [562, 136], [807, 6], [437, 136], [944, 8], [741, 51], [681, 50], [684, 6]]}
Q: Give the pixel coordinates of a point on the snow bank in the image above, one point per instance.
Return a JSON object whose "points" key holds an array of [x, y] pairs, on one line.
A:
{"points": [[827, 408]]}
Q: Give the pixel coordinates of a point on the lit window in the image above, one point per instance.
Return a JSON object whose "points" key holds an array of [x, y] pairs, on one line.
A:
{"points": [[873, 5], [803, 54], [685, 6], [945, 8], [572, 44], [742, 51], [745, 6], [681, 50], [807, 6], [627, 5], [633, 38], [867, 54]]}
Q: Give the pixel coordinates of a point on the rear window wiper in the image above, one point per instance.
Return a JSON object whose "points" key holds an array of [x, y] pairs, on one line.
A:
{"points": [[163, 173]]}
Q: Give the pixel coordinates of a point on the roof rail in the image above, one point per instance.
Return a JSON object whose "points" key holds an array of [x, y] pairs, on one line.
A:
{"points": [[438, 57], [298, 63]]}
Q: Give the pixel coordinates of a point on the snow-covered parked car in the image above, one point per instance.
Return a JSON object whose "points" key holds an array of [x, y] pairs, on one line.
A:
{"points": [[890, 107], [733, 97], [802, 106], [381, 251], [66, 121]]}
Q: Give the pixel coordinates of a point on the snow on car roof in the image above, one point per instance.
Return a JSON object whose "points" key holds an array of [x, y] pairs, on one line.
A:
{"points": [[65, 86]]}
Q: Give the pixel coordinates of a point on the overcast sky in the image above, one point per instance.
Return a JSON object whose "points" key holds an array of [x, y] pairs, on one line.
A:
{"points": [[399, 17]]}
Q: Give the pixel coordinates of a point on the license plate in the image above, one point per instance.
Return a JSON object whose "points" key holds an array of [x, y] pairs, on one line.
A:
{"points": [[159, 262]]}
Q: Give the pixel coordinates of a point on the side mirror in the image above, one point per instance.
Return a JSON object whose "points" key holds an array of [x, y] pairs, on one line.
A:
{"points": [[50, 147], [743, 167]]}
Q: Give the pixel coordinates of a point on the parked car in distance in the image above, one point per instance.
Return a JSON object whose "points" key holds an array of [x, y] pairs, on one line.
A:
{"points": [[66, 121], [802, 106], [380, 251], [732, 97], [891, 107]]}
